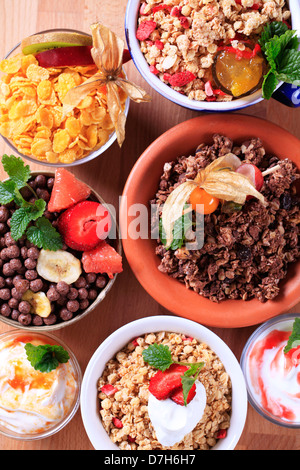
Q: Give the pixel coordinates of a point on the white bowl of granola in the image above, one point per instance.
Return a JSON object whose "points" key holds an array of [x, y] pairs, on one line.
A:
{"points": [[185, 39], [115, 396]]}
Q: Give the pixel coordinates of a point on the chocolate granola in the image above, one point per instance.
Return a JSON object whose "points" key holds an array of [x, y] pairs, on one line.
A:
{"points": [[246, 253]]}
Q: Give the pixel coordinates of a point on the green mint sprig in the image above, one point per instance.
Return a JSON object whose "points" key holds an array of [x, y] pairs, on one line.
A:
{"points": [[180, 229], [280, 47], [42, 232], [294, 339], [46, 357], [159, 356]]}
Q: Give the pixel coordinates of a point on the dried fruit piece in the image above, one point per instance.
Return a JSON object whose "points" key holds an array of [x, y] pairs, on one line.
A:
{"points": [[56, 266], [181, 78], [117, 423], [40, 304], [145, 29], [109, 389]]}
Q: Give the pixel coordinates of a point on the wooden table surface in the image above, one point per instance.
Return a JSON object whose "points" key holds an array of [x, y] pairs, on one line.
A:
{"points": [[127, 301]]}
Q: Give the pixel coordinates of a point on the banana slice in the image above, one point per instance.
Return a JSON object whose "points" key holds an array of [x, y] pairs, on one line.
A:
{"points": [[40, 304], [56, 266]]}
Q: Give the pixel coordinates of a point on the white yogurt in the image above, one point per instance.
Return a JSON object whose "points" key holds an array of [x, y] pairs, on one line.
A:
{"points": [[172, 422], [32, 401]]}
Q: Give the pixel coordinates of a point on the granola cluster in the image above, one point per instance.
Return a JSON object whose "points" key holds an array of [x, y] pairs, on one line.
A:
{"points": [[186, 35], [124, 413]]}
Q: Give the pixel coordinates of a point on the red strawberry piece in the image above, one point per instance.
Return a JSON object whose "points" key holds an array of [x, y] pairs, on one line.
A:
{"points": [[175, 12], [109, 389], [85, 225], [130, 439], [117, 423], [67, 191], [222, 433], [103, 260], [181, 78], [184, 22], [167, 77], [177, 395], [208, 88], [159, 44], [153, 70], [160, 7], [145, 29], [162, 384]]}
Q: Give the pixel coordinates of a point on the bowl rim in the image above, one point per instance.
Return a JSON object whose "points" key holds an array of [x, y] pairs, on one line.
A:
{"points": [[207, 312], [243, 362], [101, 296], [120, 337], [72, 412], [81, 161], [131, 16]]}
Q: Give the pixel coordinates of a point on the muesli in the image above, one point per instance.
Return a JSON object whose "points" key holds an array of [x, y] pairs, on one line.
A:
{"points": [[216, 50], [249, 241], [143, 408]]}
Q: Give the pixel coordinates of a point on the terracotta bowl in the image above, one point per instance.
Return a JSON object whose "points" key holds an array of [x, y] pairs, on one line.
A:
{"points": [[141, 187]]}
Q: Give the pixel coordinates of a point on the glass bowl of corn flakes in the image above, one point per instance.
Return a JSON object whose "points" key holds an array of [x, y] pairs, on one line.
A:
{"points": [[31, 111]]}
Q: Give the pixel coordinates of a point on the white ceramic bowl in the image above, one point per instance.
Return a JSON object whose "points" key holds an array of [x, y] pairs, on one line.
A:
{"points": [[116, 341], [287, 94]]}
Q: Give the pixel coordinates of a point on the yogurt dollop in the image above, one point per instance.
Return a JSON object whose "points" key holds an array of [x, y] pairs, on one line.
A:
{"points": [[32, 401], [275, 376], [172, 422]]}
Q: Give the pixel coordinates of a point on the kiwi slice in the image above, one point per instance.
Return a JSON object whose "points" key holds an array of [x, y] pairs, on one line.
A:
{"points": [[46, 41]]}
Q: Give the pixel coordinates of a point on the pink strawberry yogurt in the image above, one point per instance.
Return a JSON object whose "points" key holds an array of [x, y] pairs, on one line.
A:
{"points": [[273, 376]]}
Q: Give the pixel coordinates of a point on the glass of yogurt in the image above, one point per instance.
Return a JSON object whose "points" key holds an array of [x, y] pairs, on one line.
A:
{"points": [[273, 376], [35, 404]]}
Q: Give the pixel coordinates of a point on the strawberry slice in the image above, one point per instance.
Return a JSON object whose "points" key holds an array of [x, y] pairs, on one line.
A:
{"points": [[177, 395], [67, 191], [85, 225], [103, 260], [163, 384]]}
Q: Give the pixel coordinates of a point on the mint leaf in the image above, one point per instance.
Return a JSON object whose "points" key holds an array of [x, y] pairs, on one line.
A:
{"points": [[276, 28], [180, 229], [189, 378], [187, 383], [16, 170], [7, 192], [269, 85], [289, 69], [158, 356], [22, 217], [294, 339], [46, 358], [19, 222], [280, 46], [44, 235]]}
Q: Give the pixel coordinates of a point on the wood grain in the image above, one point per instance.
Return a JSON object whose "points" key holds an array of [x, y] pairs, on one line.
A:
{"points": [[107, 174]]}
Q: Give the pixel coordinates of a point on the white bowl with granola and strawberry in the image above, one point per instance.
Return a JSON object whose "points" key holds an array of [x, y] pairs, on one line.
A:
{"points": [[59, 248], [162, 383]]}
